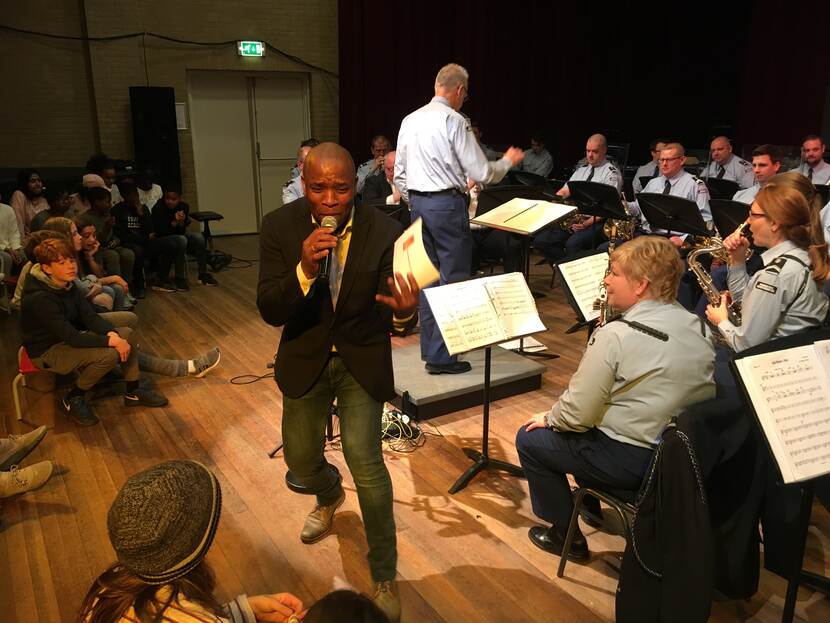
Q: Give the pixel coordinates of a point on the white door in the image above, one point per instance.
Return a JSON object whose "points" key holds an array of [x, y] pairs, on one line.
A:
{"points": [[223, 149], [281, 115]]}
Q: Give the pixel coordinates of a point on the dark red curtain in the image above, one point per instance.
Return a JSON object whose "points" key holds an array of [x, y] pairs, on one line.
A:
{"points": [[632, 70]]}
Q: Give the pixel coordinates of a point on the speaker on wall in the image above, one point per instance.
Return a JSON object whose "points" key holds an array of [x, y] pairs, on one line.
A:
{"points": [[155, 136]]}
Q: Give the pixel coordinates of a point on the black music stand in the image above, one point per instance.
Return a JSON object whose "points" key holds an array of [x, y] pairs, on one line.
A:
{"points": [[597, 199], [797, 575], [581, 320], [482, 460], [673, 214], [397, 211], [645, 179], [728, 215], [721, 189]]}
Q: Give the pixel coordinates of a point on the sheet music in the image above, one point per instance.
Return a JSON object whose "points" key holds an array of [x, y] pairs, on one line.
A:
{"points": [[467, 318], [514, 304], [411, 256], [524, 216], [789, 390], [482, 312], [583, 277]]}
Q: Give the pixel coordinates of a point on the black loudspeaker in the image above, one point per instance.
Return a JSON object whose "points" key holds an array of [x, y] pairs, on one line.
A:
{"points": [[155, 135]]}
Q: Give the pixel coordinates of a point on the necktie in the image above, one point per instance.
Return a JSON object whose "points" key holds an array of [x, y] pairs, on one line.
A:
{"points": [[667, 187], [721, 171], [591, 175], [336, 268], [656, 171], [810, 173]]}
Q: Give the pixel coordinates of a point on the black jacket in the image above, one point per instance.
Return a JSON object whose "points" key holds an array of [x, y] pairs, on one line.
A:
{"points": [[164, 219], [667, 571], [359, 328], [130, 226], [50, 315]]}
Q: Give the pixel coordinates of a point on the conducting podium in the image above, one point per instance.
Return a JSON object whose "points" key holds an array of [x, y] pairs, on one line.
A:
{"points": [[786, 386], [482, 313], [670, 215]]}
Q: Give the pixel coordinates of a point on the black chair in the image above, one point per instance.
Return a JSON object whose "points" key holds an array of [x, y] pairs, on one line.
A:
{"points": [[620, 500]]}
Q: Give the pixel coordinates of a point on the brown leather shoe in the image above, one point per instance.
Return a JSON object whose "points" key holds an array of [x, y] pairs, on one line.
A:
{"points": [[318, 523], [386, 598]]}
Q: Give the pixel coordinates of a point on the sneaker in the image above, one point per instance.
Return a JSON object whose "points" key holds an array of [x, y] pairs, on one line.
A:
{"points": [[318, 523], [182, 285], [205, 363], [164, 286], [386, 598], [17, 447], [77, 408], [22, 479], [206, 279], [144, 398]]}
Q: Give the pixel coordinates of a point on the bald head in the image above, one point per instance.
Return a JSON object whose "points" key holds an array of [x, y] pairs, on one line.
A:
{"points": [[721, 149], [329, 181], [389, 166], [595, 149]]}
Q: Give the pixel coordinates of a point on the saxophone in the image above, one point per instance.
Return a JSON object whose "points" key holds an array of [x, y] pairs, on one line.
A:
{"points": [[614, 229], [715, 248]]}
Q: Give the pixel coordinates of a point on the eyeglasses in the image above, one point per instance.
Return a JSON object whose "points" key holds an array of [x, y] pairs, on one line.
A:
{"points": [[667, 160], [757, 214]]}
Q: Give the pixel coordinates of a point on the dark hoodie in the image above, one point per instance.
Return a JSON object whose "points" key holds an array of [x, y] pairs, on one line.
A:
{"points": [[50, 315]]}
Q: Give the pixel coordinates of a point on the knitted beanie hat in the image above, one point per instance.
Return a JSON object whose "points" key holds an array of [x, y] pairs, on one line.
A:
{"points": [[163, 520]]}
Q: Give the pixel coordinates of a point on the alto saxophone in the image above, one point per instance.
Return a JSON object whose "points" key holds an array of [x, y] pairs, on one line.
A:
{"points": [[715, 249], [614, 229]]}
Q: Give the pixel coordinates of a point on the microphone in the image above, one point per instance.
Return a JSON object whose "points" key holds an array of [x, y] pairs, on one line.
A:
{"points": [[325, 263]]}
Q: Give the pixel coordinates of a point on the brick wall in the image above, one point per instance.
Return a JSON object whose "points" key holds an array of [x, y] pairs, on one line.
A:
{"points": [[303, 28]]}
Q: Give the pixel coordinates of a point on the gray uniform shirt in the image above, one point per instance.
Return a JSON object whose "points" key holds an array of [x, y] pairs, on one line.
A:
{"points": [[821, 172], [649, 169], [683, 185], [825, 222], [630, 384], [604, 173], [780, 300], [438, 151], [364, 171], [540, 164], [292, 190], [747, 195], [736, 169]]}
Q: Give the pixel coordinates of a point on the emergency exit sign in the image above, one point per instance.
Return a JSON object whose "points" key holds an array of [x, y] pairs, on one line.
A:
{"points": [[251, 48]]}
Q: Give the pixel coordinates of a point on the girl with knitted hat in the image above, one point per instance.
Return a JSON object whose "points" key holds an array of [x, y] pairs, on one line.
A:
{"points": [[161, 525]]}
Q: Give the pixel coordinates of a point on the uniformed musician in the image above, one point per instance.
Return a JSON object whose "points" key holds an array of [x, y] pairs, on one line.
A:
{"points": [[786, 296], [766, 162], [813, 166], [374, 166], [553, 242], [437, 154], [674, 180], [293, 188], [636, 374], [727, 166], [650, 169], [537, 159]]}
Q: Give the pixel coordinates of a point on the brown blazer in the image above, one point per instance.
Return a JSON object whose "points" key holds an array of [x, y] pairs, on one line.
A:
{"points": [[359, 328]]}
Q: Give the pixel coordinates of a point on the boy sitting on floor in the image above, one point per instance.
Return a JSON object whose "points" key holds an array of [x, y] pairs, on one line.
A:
{"points": [[63, 334]]}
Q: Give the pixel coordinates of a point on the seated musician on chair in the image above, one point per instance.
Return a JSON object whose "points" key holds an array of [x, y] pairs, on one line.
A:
{"points": [[639, 370]]}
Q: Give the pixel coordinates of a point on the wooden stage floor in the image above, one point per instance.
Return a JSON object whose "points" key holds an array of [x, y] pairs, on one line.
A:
{"points": [[462, 558]]}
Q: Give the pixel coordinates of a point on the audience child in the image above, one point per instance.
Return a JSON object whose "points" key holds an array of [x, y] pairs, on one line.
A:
{"points": [[117, 259], [171, 216], [148, 192], [345, 606], [161, 525], [104, 167], [134, 225], [11, 255], [62, 333], [60, 203], [28, 199]]}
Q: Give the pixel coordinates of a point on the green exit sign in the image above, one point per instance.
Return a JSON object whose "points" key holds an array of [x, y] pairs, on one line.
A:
{"points": [[251, 48]]}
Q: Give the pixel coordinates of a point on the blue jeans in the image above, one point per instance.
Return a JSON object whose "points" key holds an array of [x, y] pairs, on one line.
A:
{"points": [[449, 245], [303, 433]]}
